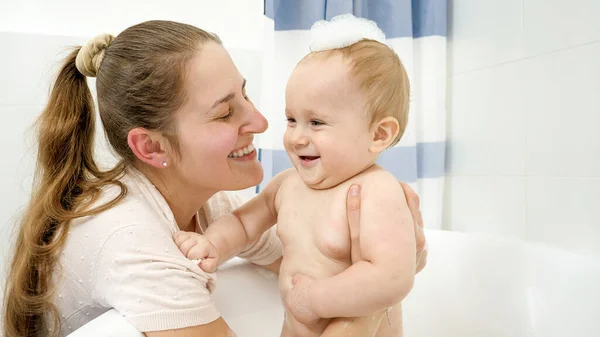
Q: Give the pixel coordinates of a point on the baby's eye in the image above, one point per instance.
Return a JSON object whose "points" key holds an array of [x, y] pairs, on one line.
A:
{"points": [[291, 120], [316, 123]]}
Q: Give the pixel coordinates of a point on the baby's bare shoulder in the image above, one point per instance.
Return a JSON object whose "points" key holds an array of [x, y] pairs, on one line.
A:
{"points": [[376, 176]]}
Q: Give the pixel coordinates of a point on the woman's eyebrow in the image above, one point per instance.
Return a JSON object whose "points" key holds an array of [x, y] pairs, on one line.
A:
{"points": [[229, 96]]}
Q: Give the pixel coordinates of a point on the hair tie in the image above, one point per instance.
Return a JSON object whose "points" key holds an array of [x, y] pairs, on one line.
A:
{"points": [[91, 54]]}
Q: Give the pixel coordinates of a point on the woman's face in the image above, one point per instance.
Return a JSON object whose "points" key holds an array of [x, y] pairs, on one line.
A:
{"points": [[217, 125]]}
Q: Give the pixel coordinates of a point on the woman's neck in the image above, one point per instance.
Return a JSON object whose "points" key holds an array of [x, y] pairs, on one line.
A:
{"points": [[183, 198]]}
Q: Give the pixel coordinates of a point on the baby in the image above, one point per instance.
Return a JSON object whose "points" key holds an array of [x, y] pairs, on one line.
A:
{"points": [[345, 104]]}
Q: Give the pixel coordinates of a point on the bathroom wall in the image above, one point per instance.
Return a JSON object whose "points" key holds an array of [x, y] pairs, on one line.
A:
{"points": [[34, 37], [524, 114]]}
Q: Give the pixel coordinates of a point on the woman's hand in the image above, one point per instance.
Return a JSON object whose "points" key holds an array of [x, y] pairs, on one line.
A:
{"points": [[412, 199], [414, 205]]}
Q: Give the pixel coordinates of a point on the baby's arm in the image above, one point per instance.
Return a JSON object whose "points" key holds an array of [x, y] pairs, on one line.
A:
{"points": [[384, 272], [236, 232]]}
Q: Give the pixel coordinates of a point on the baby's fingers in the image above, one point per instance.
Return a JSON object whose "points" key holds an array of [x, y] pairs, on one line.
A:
{"points": [[186, 246], [181, 236], [208, 264]]}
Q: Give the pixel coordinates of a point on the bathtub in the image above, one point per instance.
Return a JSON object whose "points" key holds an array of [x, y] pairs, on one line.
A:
{"points": [[474, 285]]}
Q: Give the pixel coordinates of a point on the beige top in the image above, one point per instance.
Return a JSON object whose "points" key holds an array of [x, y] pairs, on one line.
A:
{"points": [[125, 258]]}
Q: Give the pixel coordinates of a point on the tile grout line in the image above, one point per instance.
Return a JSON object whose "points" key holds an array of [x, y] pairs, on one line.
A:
{"points": [[526, 58]]}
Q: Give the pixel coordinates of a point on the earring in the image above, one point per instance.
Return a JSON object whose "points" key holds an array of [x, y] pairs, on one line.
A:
{"points": [[164, 163]]}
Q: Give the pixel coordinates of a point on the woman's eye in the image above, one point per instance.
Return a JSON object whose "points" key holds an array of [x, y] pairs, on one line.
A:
{"points": [[226, 117]]}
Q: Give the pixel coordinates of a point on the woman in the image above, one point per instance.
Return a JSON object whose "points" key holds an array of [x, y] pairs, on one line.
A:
{"points": [[174, 108]]}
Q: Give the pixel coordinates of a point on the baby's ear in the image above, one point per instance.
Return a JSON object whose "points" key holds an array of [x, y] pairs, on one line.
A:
{"points": [[383, 133]]}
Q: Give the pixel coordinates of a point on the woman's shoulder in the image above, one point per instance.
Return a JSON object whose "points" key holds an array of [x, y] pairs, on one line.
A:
{"points": [[223, 203]]}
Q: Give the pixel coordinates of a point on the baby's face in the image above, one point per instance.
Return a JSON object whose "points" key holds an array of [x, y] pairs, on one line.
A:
{"points": [[327, 136]]}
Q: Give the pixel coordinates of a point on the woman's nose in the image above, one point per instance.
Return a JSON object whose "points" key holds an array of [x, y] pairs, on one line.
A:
{"points": [[255, 122]]}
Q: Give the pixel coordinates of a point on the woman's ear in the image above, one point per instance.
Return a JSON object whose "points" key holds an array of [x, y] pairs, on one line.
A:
{"points": [[149, 147], [383, 133]]}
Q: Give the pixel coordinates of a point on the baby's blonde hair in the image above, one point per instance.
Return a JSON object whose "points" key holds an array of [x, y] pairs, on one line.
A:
{"points": [[382, 78]]}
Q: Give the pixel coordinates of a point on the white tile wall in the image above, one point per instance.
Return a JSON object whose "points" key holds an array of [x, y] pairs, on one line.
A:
{"points": [[487, 122], [31, 64], [524, 145], [563, 113], [557, 24], [238, 22], [564, 211], [484, 33], [490, 204]]}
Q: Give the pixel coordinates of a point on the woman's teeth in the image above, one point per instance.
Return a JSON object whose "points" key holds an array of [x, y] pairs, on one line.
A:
{"points": [[241, 152]]}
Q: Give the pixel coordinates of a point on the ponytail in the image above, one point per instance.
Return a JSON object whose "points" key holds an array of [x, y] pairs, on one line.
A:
{"points": [[67, 183]]}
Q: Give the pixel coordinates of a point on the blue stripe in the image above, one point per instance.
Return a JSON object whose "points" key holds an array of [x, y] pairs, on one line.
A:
{"points": [[259, 154], [431, 159], [430, 17], [426, 160], [394, 17], [397, 18]]}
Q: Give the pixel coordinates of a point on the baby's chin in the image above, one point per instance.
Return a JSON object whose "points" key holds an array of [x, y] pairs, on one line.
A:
{"points": [[322, 182]]}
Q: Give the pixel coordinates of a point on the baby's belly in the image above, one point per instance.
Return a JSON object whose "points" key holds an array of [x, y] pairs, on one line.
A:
{"points": [[309, 262]]}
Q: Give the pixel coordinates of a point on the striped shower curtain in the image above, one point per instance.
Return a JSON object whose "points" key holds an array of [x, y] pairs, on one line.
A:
{"points": [[417, 31]]}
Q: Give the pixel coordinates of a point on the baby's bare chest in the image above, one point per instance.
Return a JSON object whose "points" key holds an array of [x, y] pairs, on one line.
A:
{"points": [[314, 222]]}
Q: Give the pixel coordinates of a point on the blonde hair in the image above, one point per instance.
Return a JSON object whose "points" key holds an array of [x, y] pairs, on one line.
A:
{"points": [[382, 78], [140, 83]]}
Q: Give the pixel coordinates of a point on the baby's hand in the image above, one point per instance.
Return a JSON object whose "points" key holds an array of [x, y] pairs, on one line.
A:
{"points": [[297, 302], [197, 247]]}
